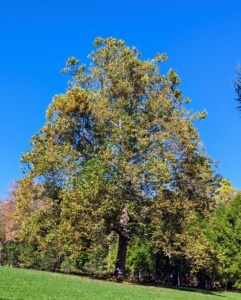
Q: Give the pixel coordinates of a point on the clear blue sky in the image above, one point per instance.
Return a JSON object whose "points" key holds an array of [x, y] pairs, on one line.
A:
{"points": [[202, 39]]}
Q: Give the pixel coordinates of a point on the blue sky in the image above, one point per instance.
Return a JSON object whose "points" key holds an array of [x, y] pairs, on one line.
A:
{"points": [[201, 38]]}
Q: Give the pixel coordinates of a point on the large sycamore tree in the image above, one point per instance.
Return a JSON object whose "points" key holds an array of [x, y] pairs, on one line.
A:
{"points": [[118, 153]]}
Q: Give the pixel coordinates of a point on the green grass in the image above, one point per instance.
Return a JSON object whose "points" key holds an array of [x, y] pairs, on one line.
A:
{"points": [[17, 284]]}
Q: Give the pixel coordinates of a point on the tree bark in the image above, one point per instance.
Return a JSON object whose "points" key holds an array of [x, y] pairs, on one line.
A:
{"points": [[121, 257]]}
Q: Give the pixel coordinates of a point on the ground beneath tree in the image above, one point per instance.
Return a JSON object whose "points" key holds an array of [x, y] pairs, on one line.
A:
{"points": [[21, 284]]}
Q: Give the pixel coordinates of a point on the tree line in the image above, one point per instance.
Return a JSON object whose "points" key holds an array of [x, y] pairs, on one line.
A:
{"points": [[118, 182]]}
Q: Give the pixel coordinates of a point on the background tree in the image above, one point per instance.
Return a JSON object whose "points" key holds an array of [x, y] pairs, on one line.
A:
{"points": [[225, 193], [237, 86], [225, 235], [8, 225], [118, 153]]}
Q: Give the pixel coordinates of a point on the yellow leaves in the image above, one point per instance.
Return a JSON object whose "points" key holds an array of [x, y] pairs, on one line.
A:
{"points": [[202, 115], [74, 101], [187, 100], [226, 192]]}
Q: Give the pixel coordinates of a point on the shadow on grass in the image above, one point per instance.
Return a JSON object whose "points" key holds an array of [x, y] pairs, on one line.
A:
{"points": [[218, 293], [188, 289]]}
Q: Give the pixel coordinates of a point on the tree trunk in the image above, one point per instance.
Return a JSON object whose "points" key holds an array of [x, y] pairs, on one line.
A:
{"points": [[120, 264], [2, 248], [121, 257]]}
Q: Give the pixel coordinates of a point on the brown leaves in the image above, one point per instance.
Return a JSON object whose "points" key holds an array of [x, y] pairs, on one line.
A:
{"points": [[9, 226]]}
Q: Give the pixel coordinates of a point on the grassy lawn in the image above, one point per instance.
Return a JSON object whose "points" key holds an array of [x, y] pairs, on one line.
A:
{"points": [[16, 284]]}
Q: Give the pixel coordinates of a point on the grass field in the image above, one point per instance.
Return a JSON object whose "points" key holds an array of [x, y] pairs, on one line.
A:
{"points": [[17, 284]]}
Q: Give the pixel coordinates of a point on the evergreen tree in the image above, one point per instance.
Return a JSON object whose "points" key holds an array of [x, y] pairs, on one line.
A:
{"points": [[225, 235]]}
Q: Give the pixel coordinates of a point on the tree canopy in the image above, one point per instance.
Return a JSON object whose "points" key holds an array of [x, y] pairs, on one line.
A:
{"points": [[118, 153]]}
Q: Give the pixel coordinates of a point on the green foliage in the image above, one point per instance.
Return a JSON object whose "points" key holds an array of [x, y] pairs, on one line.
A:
{"points": [[11, 253], [26, 255], [67, 266], [112, 244], [224, 233], [96, 258], [140, 257], [46, 261]]}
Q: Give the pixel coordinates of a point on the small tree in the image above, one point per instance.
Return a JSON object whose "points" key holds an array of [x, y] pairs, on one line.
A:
{"points": [[118, 152]]}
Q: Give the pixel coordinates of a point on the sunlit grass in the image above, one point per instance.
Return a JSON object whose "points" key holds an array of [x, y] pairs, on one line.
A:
{"points": [[17, 284]]}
